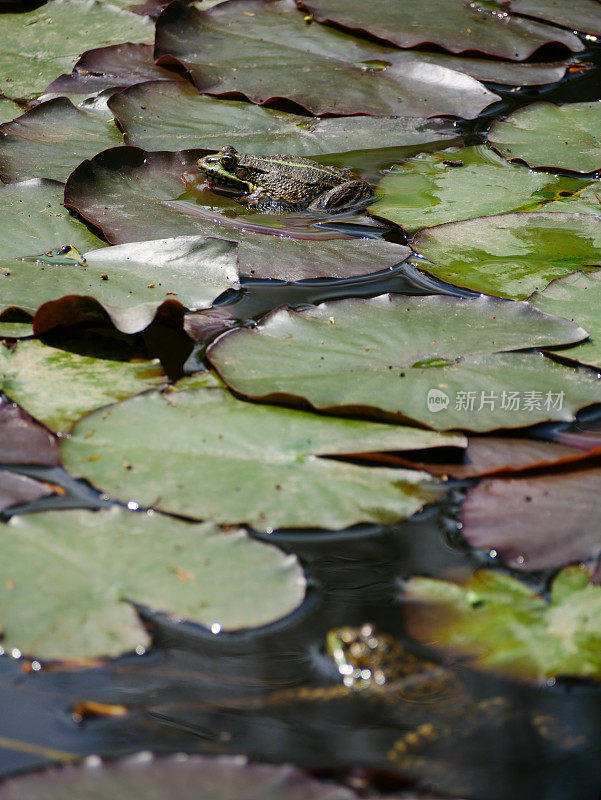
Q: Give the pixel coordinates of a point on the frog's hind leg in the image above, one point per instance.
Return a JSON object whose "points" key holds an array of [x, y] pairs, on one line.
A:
{"points": [[344, 196]]}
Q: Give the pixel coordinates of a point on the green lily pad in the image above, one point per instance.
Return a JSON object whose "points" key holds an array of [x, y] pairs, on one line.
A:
{"points": [[511, 255], [455, 184], [33, 42], [15, 330], [132, 196], [33, 220], [501, 625], [586, 200], [170, 115], [434, 360], [57, 387], [205, 454], [576, 297], [8, 110], [52, 139], [196, 572], [131, 281], [584, 15], [455, 25], [556, 137], [224, 48]]}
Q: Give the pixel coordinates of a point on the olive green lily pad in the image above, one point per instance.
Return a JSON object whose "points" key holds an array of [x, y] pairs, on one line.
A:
{"points": [[583, 15], [170, 115], [455, 25], [33, 220], [501, 625], [586, 200], [130, 281], [52, 139], [132, 195], [8, 110], [455, 184], [207, 455], [556, 137], [576, 297], [511, 255], [38, 45], [57, 387], [15, 330], [434, 360], [323, 70], [195, 572]]}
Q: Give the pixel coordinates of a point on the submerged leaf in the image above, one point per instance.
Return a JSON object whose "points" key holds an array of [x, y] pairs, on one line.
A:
{"points": [[511, 255], [499, 624], [435, 360], [262, 465], [195, 572], [57, 387]]}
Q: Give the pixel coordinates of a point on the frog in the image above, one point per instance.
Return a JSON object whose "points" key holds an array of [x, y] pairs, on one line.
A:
{"points": [[283, 182]]}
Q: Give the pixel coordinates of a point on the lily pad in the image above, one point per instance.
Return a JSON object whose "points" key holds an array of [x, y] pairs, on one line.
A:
{"points": [[8, 110], [556, 137], [52, 139], [57, 387], [33, 41], [23, 440], [169, 115], [195, 572], [132, 196], [553, 518], [586, 200], [224, 50], [577, 296], [501, 625], [112, 67], [511, 255], [34, 209], [584, 15], [205, 454], [187, 778], [130, 282], [460, 183], [16, 489], [435, 360], [453, 24]]}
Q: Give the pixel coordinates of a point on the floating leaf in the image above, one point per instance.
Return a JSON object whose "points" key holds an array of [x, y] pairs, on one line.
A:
{"points": [[16, 489], [8, 110], [195, 572], [111, 67], [130, 282], [33, 41], [553, 518], [584, 15], [586, 200], [261, 465], [187, 778], [52, 139], [435, 360], [577, 296], [455, 25], [556, 137], [57, 387], [132, 195], [511, 255], [501, 625], [169, 115], [224, 49], [460, 183], [34, 208], [23, 440]]}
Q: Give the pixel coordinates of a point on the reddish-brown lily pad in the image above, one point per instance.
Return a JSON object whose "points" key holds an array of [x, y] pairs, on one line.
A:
{"points": [[132, 196], [224, 51], [453, 24], [23, 440], [17, 489], [582, 15], [536, 522]]}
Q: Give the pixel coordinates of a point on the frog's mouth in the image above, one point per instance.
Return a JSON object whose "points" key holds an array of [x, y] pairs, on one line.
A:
{"points": [[227, 191]]}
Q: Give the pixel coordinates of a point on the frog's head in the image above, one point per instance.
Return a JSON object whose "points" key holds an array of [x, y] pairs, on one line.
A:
{"points": [[222, 170]]}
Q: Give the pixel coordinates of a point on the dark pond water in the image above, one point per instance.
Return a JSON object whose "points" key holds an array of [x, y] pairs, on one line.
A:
{"points": [[271, 694]]}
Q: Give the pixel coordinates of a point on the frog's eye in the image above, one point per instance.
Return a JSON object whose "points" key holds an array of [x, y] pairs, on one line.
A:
{"points": [[228, 160]]}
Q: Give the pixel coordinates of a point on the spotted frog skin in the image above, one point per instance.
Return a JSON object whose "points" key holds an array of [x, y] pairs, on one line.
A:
{"points": [[283, 182]]}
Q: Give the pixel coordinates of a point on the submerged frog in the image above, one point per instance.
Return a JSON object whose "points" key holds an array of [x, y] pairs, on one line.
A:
{"points": [[283, 182]]}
